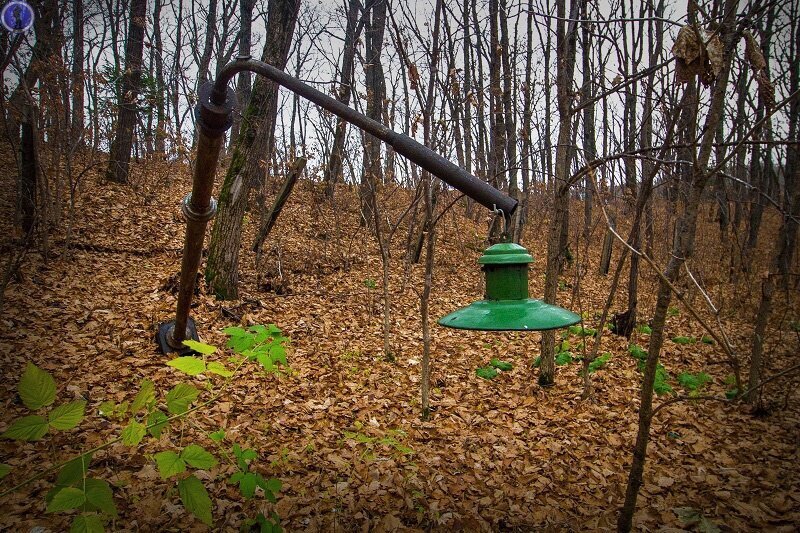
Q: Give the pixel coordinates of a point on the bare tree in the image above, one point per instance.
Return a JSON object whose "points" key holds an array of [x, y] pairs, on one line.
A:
{"points": [[375, 23], [254, 145], [333, 170], [120, 154], [566, 37], [244, 79], [682, 249]]}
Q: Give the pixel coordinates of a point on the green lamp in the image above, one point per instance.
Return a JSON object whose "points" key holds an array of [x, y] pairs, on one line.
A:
{"points": [[506, 306]]}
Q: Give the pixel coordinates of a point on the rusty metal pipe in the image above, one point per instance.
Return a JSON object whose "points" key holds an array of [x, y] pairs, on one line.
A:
{"points": [[445, 170], [198, 207]]}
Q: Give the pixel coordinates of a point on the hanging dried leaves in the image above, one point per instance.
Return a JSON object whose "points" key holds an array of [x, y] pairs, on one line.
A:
{"points": [[714, 49], [688, 53], [753, 52], [413, 76], [754, 56], [697, 54]]}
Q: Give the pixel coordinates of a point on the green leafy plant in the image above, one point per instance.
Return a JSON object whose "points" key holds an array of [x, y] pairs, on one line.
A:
{"points": [[692, 517], [370, 283], [113, 411], [731, 391], [599, 362], [706, 339], [501, 365], [265, 344], [148, 413], [661, 384], [563, 358], [684, 340], [486, 372], [583, 331], [74, 490], [37, 390], [644, 328], [637, 352], [490, 371], [391, 440], [693, 382], [247, 480], [673, 311], [264, 524]]}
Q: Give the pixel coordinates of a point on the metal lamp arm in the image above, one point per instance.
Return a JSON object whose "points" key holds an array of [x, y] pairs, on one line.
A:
{"points": [[452, 174]]}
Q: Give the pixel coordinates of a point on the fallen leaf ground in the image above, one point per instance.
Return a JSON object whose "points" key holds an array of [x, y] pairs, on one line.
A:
{"points": [[342, 430]]}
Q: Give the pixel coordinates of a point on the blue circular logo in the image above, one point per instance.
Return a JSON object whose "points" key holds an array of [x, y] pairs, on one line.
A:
{"points": [[17, 16]]}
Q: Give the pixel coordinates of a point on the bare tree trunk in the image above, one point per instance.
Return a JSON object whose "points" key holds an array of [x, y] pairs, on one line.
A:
{"points": [[467, 96], [293, 172], [683, 247], [626, 321], [161, 87], [496, 165], [477, 89], [78, 58], [510, 137], [547, 152], [525, 130], [760, 157], [120, 154], [244, 80], [333, 170], [785, 239], [203, 74], [255, 143], [740, 172], [41, 53], [788, 235], [589, 142], [376, 94], [566, 36], [608, 246], [28, 171], [177, 74], [430, 223]]}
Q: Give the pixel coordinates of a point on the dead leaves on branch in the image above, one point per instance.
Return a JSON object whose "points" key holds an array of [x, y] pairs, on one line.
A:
{"points": [[701, 53], [697, 55], [754, 56]]}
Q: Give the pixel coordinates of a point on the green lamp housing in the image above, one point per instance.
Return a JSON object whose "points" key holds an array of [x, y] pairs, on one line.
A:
{"points": [[506, 305]]}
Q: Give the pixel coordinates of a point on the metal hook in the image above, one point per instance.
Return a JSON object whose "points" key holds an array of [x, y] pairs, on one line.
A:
{"points": [[505, 236]]}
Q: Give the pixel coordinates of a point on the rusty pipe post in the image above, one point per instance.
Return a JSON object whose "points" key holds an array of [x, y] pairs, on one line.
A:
{"points": [[198, 207]]}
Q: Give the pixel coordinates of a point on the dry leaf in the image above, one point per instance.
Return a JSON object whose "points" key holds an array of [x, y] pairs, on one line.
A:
{"points": [[715, 50]]}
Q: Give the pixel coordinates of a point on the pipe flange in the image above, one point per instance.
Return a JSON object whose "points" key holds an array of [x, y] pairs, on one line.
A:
{"points": [[214, 119], [193, 216]]}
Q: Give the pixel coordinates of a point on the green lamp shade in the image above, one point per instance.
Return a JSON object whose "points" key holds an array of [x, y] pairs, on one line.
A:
{"points": [[506, 306]]}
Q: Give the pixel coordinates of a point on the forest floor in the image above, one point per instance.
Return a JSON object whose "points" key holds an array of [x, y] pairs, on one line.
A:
{"points": [[342, 428]]}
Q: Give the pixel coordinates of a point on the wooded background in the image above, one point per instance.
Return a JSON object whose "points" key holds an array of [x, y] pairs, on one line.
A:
{"points": [[601, 118]]}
